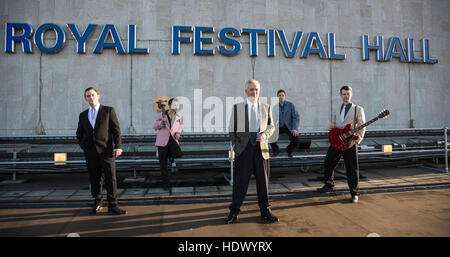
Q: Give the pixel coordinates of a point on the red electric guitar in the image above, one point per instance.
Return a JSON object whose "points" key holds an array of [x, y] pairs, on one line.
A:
{"points": [[340, 138]]}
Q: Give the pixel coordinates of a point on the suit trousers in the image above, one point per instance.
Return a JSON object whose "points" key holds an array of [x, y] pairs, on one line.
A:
{"points": [[164, 153], [98, 165], [351, 165], [294, 141], [248, 163]]}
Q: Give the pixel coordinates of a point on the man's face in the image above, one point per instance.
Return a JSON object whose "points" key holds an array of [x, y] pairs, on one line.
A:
{"points": [[92, 97], [281, 97], [252, 91], [346, 96]]}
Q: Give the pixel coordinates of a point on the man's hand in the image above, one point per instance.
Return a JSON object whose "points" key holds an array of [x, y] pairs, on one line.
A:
{"points": [[177, 136], [261, 137], [355, 137], [117, 152], [294, 132]]}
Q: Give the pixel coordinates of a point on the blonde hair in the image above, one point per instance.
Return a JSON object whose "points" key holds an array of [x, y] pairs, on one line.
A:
{"points": [[254, 82]]}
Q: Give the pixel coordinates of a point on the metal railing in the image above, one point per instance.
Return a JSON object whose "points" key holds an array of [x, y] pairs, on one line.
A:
{"points": [[374, 154]]}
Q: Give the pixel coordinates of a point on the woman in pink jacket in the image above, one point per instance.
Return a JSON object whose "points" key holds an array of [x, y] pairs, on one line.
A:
{"points": [[167, 138]]}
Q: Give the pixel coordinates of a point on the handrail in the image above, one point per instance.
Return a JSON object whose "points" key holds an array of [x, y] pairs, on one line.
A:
{"points": [[214, 159], [229, 159], [209, 134]]}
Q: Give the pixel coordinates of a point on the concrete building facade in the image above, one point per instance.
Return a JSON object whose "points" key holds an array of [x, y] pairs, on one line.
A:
{"points": [[43, 92]]}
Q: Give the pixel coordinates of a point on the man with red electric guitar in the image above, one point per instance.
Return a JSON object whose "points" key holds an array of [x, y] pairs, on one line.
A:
{"points": [[348, 113]]}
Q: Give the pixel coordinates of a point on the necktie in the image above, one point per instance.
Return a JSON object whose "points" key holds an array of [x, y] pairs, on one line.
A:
{"points": [[343, 113], [344, 109], [92, 119], [253, 125]]}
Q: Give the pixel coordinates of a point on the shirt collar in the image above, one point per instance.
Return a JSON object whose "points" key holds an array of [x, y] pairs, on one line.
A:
{"points": [[95, 107], [250, 103], [346, 105]]}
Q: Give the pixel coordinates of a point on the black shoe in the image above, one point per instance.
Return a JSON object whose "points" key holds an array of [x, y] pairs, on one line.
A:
{"points": [[96, 209], [290, 154], [116, 210], [267, 216], [275, 153], [325, 189], [231, 218]]}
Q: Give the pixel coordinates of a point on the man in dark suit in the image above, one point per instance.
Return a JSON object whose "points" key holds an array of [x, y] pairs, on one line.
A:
{"points": [[251, 126], [98, 134]]}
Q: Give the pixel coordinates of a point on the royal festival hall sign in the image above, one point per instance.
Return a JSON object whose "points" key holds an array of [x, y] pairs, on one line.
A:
{"points": [[201, 38]]}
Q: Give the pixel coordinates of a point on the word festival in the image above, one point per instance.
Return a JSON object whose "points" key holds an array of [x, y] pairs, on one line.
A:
{"points": [[201, 38]]}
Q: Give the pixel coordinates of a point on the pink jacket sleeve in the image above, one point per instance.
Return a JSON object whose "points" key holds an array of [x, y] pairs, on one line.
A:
{"points": [[157, 124]]}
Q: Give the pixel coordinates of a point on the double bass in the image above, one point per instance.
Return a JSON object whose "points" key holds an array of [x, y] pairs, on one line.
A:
{"points": [[160, 103]]}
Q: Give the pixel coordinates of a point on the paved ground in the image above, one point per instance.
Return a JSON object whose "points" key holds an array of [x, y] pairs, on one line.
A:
{"points": [[410, 201], [413, 213], [57, 187]]}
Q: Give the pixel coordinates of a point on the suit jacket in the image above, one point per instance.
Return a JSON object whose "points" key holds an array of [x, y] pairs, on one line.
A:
{"points": [[104, 137], [162, 138], [289, 117], [239, 127], [349, 119]]}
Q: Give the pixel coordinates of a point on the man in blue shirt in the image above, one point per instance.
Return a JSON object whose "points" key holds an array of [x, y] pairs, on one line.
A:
{"points": [[288, 123]]}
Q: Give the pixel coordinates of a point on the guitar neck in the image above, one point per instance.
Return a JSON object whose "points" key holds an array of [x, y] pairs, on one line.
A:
{"points": [[364, 125]]}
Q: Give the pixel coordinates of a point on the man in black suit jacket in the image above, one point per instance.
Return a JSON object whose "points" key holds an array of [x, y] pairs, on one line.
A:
{"points": [[98, 134]]}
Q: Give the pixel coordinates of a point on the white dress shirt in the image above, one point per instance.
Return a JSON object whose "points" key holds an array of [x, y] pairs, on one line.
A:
{"points": [[343, 114], [249, 112], [92, 115]]}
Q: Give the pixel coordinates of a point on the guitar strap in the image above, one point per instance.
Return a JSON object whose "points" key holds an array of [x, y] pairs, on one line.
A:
{"points": [[354, 117]]}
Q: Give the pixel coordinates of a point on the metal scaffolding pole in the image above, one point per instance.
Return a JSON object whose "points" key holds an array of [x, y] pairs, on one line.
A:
{"points": [[446, 149]]}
